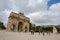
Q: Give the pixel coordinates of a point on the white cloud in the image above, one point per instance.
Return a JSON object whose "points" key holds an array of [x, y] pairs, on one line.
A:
{"points": [[37, 5], [51, 16], [35, 9], [55, 7]]}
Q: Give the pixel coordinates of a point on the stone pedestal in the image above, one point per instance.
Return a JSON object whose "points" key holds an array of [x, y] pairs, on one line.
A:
{"points": [[54, 30]]}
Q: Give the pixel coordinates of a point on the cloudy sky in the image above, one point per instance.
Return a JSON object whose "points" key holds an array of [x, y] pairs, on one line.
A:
{"points": [[40, 12]]}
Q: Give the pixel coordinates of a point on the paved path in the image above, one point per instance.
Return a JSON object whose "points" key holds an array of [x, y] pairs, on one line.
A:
{"points": [[27, 36]]}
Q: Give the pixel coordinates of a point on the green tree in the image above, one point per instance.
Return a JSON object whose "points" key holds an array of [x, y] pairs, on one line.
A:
{"points": [[30, 26], [2, 25], [58, 29], [37, 28], [33, 28]]}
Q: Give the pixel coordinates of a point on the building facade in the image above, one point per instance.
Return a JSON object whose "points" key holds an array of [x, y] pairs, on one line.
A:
{"points": [[18, 22]]}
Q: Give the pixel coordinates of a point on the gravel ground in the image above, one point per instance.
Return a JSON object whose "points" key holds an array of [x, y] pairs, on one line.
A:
{"points": [[27, 36]]}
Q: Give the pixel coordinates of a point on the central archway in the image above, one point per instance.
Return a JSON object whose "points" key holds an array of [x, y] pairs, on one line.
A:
{"points": [[20, 25]]}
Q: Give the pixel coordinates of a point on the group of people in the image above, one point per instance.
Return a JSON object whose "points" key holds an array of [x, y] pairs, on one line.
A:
{"points": [[32, 32]]}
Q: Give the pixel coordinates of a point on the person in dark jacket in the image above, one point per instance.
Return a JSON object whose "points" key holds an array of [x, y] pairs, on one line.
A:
{"points": [[32, 32]]}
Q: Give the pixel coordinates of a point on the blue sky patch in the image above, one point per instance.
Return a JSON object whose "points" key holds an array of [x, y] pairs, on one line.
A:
{"points": [[52, 2]]}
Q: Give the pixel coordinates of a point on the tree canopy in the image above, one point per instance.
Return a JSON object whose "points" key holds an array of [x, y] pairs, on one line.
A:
{"points": [[2, 25]]}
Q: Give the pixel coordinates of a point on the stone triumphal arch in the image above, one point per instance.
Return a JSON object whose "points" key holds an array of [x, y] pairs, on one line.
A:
{"points": [[18, 22]]}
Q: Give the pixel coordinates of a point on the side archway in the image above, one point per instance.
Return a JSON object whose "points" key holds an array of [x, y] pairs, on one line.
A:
{"points": [[13, 27], [25, 29]]}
